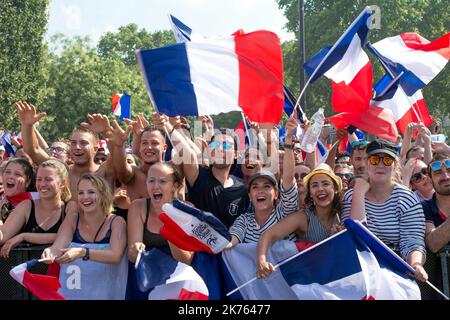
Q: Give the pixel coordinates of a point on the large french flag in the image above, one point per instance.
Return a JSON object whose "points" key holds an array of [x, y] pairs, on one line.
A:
{"points": [[242, 72], [193, 229], [167, 278], [419, 59], [347, 66], [351, 265], [121, 105], [42, 286], [405, 109]]}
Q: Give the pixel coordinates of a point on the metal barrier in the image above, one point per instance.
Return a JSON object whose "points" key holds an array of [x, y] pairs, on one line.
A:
{"points": [[9, 288], [437, 267]]}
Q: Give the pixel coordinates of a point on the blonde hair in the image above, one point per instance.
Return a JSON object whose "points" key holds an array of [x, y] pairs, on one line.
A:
{"points": [[106, 198], [63, 173]]}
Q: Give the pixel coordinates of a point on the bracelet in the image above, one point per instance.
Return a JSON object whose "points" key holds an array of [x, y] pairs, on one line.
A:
{"points": [[289, 146]]}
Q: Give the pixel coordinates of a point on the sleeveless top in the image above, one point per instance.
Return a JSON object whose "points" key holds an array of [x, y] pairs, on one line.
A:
{"points": [[316, 231], [33, 227], [151, 239], [77, 238]]}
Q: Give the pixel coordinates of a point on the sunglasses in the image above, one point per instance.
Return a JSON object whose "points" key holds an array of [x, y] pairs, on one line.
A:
{"points": [[226, 145], [300, 176], [56, 149], [346, 176], [437, 165], [417, 176], [359, 145], [375, 160]]}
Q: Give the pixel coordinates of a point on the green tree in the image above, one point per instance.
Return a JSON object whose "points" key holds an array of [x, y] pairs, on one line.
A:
{"points": [[326, 20], [124, 43], [22, 56], [82, 82]]}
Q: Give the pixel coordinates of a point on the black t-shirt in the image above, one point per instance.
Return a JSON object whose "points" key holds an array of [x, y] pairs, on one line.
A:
{"points": [[432, 212], [208, 194]]}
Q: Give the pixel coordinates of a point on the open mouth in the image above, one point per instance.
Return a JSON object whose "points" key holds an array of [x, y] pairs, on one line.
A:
{"points": [[260, 199], [10, 185], [250, 166], [322, 197], [87, 203], [157, 196]]}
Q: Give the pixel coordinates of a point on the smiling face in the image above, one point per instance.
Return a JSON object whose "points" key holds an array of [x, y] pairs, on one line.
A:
{"points": [[58, 150], [88, 196], [83, 148], [160, 184], [441, 179], [152, 146], [222, 151], [300, 172], [262, 194], [321, 190], [14, 179], [48, 183], [421, 181]]}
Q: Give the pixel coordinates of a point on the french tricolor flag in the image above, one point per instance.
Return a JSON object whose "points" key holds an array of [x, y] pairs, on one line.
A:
{"points": [[42, 286], [242, 72], [193, 229], [347, 66], [121, 105], [167, 278], [404, 109], [419, 59]]}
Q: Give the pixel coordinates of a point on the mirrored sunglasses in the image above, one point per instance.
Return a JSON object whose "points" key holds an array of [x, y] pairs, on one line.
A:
{"points": [[437, 165], [375, 160], [225, 145]]}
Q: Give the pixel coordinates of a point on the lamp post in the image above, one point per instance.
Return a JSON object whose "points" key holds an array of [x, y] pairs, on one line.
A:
{"points": [[301, 47]]}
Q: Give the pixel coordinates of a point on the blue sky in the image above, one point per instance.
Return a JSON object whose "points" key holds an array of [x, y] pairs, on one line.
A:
{"points": [[207, 17]]}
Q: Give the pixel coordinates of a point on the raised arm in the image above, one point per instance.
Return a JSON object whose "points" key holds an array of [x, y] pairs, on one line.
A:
{"points": [[189, 156], [123, 170], [28, 119], [340, 135], [289, 160]]}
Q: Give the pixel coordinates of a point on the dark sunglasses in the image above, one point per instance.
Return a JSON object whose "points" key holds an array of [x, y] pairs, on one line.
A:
{"points": [[359, 145], [226, 145], [437, 165], [418, 176], [375, 160], [56, 149], [301, 175], [346, 176]]}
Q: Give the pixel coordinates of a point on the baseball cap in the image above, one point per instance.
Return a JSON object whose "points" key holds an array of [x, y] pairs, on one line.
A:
{"points": [[382, 146], [263, 174]]}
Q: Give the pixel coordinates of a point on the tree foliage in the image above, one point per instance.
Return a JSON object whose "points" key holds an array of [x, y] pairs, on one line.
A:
{"points": [[22, 55], [326, 20]]}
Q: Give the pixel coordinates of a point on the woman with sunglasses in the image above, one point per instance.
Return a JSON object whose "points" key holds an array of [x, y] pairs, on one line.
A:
{"points": [[392, 212], [415, 175]]}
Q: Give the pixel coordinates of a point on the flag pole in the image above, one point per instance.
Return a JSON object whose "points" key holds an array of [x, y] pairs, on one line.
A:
{"points": [[247, 133], [328, 54], [391, 84]]}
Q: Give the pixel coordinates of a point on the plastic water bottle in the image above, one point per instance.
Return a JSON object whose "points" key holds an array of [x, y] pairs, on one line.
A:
{"points": [[311, 136]]}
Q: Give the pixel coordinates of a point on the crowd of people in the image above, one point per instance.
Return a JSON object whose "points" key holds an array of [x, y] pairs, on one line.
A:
{"points": [[95, 199]]}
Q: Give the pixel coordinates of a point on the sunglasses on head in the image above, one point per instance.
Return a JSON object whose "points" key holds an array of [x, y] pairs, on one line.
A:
{"points": [[375, 160], [358, 145], [346, 176], [417, 176], [300, 176], [226, 145], [437, 165]]}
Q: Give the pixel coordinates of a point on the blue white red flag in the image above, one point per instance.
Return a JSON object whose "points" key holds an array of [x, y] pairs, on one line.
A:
{"points": [[121, 105], [168, 279], [42, 286], [242, 72], [419, 59], [6, 142], [404, 109], [352, 264], [347, 66], [193, 229], [321, 152]]}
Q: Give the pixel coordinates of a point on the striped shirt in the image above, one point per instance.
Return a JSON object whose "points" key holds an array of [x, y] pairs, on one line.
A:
{"points": [[245, 227], [399, 222], [316, 231]]}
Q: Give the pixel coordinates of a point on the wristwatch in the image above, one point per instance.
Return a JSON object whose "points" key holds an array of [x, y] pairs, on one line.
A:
{"points": [[86, 255], [289, 146]]}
